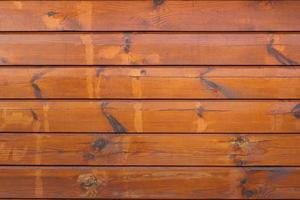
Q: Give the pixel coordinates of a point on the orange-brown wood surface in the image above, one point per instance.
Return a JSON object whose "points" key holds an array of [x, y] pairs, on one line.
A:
{"points": [[150, 183], [159, 82], [150, 149], [149, 48], [152, 15], [150, 116], [150, 99]]}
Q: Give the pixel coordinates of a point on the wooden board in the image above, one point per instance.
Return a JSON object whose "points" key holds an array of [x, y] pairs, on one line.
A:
{"points": [[150, 116], [160, 82], [149, 49], [153, 150], [151, 15], [150, 183]]}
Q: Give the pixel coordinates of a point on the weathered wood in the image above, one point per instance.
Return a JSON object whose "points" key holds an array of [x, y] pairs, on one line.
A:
{"points": [[147, 182], [150, 48], [150, 82], [158, 149], [150, 116], [154, 15]]}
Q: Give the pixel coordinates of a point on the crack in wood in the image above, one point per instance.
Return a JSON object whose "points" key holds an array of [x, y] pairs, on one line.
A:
{"points": [[115, 124], [280, 57]]}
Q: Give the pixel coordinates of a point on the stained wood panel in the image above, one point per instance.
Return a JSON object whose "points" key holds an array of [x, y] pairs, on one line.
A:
{"points": [[146, 182], [149, 49], [156, 15], [150, 116], [159, 82], [149, 99], [148, 149]]}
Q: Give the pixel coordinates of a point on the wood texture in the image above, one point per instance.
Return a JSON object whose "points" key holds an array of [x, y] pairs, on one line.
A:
{"points": [[150, 116], [156, 15], [150, 82], [149, 49], [146, 182], [147, 149]]}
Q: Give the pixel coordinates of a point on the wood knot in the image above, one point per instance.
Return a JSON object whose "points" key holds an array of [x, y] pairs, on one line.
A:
{"points": [[3, 61], [99, 144], [51, 13], [296, 111], [89, 184], [115, 124], [240, 141], [127, 43], [238, 161], [157, 3], [143, 72], [247, 193], [200, 111]]}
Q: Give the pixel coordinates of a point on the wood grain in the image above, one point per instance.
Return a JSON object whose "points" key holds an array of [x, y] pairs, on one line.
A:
{"points": [[156, 15], [150, 82], [153, 150], [149, 49], [150, 183], [150, 116]]}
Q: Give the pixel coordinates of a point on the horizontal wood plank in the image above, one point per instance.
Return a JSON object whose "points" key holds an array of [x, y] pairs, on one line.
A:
{"points": [[150, 183], [154, 150], [150, 82], [149, 49], [150, 116], [151, 15]]}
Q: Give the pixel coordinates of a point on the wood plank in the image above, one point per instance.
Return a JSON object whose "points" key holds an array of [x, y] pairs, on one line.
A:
{"points": [[156, 15], [150, 116], [150, 183], [149, 49], [147, 149], [150, 82]]}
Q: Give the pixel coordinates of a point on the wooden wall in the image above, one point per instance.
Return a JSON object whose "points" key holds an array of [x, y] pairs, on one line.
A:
{"points": [[150, 99]]}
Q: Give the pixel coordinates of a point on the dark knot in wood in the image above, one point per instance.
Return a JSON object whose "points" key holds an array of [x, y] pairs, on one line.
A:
{"points": [[157, 3], [99, 144], [127, 42], [115, 124], [280, 57], [51, 13], [246, 192], [296, 111]]}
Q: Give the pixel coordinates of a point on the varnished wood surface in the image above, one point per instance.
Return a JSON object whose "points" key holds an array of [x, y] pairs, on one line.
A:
{"points": [[150, 99], [160, 82], [156, 15], [151, 183], [150, 116], [150, 149], [149, 49]]}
